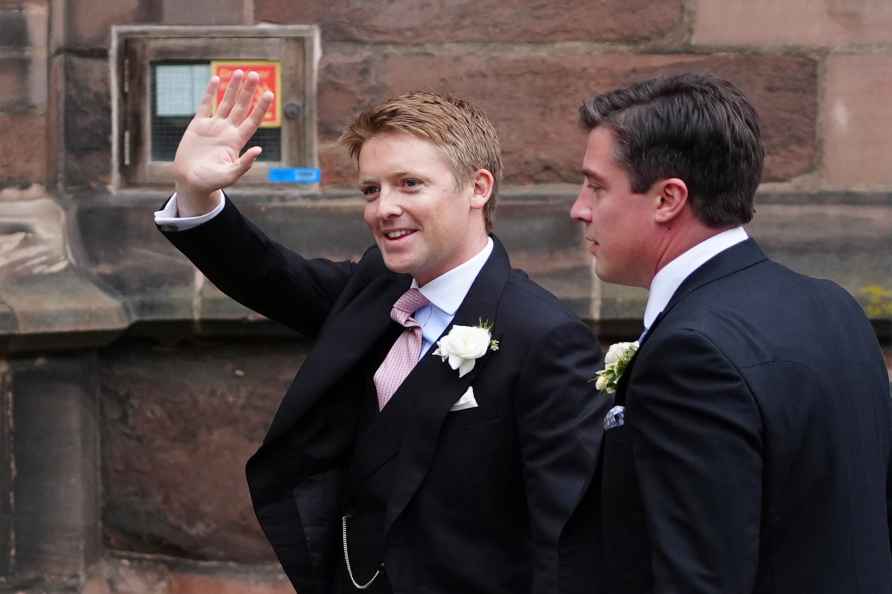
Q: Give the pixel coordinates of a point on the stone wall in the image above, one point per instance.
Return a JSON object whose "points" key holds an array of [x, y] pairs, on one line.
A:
{"points": [[132, 391]]}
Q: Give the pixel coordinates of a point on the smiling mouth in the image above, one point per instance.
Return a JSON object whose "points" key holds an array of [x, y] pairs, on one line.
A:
{"points": [[398, 234]]}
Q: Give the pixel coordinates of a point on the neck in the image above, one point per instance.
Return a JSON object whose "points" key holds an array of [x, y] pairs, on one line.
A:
{"points": [[476, 239], [679, 238], [473, 245]]}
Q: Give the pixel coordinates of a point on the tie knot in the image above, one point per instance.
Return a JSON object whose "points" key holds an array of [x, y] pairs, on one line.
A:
{"points": [[408, 303]]}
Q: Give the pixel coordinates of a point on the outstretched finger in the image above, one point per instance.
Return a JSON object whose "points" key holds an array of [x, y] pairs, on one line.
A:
{"points": [[247, 159], [207, 102], [244, 98], [253, 121], [232, 88]]}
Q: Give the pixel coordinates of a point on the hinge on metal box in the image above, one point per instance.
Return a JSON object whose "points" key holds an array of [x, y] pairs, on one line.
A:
{"points": [[125, 89], [126, 148]]}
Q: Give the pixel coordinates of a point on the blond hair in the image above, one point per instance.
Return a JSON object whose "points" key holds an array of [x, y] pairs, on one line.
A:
{"points": [[464, 134]]}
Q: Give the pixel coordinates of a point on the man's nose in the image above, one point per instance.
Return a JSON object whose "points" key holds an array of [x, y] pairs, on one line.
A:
{"points": [[389, 204], [580, 211]]}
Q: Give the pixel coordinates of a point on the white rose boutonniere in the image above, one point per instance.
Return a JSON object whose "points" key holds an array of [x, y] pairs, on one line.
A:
{"points": [[615, 362], [465, 344]]}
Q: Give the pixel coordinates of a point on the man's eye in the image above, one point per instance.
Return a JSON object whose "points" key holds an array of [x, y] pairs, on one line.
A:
{"points": [[369, 191], [411, 182]]}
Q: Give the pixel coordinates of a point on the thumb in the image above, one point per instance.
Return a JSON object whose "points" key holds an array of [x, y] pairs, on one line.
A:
{"points": [[247, 159]]}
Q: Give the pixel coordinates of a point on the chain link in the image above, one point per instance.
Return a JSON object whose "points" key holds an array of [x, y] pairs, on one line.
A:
{"points": [[356, 584]]}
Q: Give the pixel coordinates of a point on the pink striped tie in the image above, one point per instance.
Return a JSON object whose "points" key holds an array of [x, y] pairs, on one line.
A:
{"points": [[405, 351]]}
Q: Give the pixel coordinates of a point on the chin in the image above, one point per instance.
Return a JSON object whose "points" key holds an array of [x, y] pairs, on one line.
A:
{"points": [[614, 278], [397, 265], [606, 275]]}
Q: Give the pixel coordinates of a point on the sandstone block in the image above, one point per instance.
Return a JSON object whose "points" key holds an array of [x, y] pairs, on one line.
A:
{"points": [[7, 476], [23, 58], [533, 99], [23, 26], [13, 28], [857, 124], [23, 148], [405, 21], [184, 583], [203, 12], [90, 21], [337, 167], [56, 456], [87, 122], [37, 23], [177, 428], [821, 23], [131, 576], [15, 83]]}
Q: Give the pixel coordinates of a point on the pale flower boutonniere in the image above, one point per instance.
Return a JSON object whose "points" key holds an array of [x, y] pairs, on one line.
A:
{"points": [[615, 363], [465, 344]]}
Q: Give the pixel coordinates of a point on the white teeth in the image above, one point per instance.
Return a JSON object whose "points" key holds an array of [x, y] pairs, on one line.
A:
{"points": [[397, 234]]}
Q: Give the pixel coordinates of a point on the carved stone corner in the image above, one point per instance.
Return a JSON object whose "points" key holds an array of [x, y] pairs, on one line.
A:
{"points": [[44, 297]]}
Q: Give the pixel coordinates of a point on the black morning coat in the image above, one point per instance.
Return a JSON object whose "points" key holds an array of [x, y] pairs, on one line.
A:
{"points": [[469, 501], [754, 455]]}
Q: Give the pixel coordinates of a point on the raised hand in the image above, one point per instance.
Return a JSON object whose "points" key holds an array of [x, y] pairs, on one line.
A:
{"points": [[207, 158]]}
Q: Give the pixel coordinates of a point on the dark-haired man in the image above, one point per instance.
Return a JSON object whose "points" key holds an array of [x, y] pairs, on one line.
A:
{"points": [[748, 450], [439, 434]]}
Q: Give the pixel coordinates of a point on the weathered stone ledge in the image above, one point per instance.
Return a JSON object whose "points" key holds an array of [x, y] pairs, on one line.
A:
{"points": [[81, 270], [48, 301]]}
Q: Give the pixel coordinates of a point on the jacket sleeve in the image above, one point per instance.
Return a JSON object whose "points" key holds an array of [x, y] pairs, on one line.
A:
{"points": [[696, 444], [889, 478], [261, 274], [559, 418]]}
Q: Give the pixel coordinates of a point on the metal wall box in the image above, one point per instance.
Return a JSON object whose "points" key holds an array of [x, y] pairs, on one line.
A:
{"points": [[158, 73]]}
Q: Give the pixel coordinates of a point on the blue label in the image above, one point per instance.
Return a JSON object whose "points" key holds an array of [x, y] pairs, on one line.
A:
{"points": [[294, 175]]}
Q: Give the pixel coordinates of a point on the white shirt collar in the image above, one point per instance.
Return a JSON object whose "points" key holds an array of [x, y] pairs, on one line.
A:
{"points": [[670, 277], [447, 291]]}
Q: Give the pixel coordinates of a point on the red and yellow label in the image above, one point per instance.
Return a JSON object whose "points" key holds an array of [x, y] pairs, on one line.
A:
{"points": [[270, 72]]}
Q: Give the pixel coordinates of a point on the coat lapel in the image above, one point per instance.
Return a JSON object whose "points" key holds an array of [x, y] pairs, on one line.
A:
{"points": [[381, 439], [346, 338], [433, 387], [736, 258], [620, 398]]}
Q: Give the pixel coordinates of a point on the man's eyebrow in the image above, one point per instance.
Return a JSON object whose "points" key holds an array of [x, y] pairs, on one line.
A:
{"points": [[591, 174], [374, 180]]}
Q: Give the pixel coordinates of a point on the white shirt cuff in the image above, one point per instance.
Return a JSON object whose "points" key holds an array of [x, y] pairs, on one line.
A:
{"points": [[169, 220]]}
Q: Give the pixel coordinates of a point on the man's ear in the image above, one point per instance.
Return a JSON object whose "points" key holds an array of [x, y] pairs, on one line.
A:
{"points": [[482, 182], [671, 197]]}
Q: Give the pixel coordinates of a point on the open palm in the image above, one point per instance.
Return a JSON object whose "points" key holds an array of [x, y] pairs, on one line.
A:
{"points": [[207, 157]]}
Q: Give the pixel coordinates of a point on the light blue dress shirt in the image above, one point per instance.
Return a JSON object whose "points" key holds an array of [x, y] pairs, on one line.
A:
{"points": [[446, 293]]}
